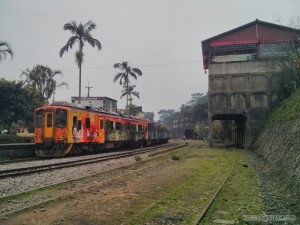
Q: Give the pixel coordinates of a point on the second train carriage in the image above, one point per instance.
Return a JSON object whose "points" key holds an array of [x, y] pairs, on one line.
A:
{"points": [[65, 127]]}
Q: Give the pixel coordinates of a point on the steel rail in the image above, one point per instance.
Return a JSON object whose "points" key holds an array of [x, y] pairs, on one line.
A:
{"points": [[52, 199], [48, 167], [204, 211]]}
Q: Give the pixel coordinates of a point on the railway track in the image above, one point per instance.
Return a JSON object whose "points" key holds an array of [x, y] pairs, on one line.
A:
{"points": [[203, 211], [105, 183], [212, 199], [48, 167], [22, 204]]}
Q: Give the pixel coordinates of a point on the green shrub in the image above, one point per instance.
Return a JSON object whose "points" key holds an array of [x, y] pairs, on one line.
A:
{"points": [[176, 157], [138, 158]]}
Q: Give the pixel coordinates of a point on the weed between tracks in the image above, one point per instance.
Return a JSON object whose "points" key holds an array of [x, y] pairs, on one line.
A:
{"points": [[168, 192]]}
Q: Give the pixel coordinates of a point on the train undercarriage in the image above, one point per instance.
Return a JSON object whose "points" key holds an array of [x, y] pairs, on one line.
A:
{"points": [[57, 150]]}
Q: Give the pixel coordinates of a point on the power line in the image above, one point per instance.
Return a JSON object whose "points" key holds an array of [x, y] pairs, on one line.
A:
{"points": [[171, 63], [111, 67]]}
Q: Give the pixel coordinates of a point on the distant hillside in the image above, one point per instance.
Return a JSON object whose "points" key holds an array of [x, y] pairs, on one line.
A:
{"points": [[279, 145]]}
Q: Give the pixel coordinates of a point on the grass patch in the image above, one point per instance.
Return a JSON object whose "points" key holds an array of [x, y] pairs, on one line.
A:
{"points": [[203, 172], [288, 110], [239, 196]]}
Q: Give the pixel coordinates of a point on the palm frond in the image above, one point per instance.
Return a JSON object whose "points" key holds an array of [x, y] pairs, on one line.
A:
{"points": [[72, 40], [136, 94], [89, 26], [118, 76], [122, 95], [63, 50], [118, 65], [5, 49], [98, 44], [133, 75], [63, 83], [56, 72], [92, 41], [123, 79], [71, 26], [138, 71]]}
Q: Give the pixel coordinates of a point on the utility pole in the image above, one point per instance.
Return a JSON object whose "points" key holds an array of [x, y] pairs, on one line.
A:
{"points": [[88, 87]]}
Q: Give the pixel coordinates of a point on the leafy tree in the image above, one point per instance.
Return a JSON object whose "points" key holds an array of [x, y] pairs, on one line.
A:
{"points": [[286, 55], [42, 79], [81, 34], [165, 116], [18, 102], [4, 50], [123, 77], [197, 106], [198, 98], [289, 76]]}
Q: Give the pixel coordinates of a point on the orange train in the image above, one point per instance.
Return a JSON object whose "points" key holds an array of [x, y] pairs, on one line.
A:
{"points": [[66, 128]]}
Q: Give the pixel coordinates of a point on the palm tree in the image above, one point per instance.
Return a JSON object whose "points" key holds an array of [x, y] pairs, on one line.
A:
{"points": [[124, 77], [129, 92], [4, 50], [81, 34], [41, 78]]}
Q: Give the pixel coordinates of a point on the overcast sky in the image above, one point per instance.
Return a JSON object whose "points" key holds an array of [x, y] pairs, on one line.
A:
{"points": [[160, 37]]}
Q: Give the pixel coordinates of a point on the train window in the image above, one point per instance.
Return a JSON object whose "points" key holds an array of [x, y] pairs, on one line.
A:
{"points": [[87, 122], [61, 118], [140, 127], [75, 121], [118, 126], [109, 125], [101, 124], [49, 120], [133, 127], [79, 125], [127, 126], [39, 119]]}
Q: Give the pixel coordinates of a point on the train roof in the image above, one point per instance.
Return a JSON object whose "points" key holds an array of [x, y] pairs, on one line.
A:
{"points": [[67, 104], [96, 110]]}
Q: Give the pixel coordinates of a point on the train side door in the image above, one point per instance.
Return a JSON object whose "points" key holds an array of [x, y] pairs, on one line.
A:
{"points": [[101, 130], [48, 125]]}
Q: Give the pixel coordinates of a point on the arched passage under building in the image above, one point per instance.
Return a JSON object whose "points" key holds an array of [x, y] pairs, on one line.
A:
{"points": [[233, 128]]}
